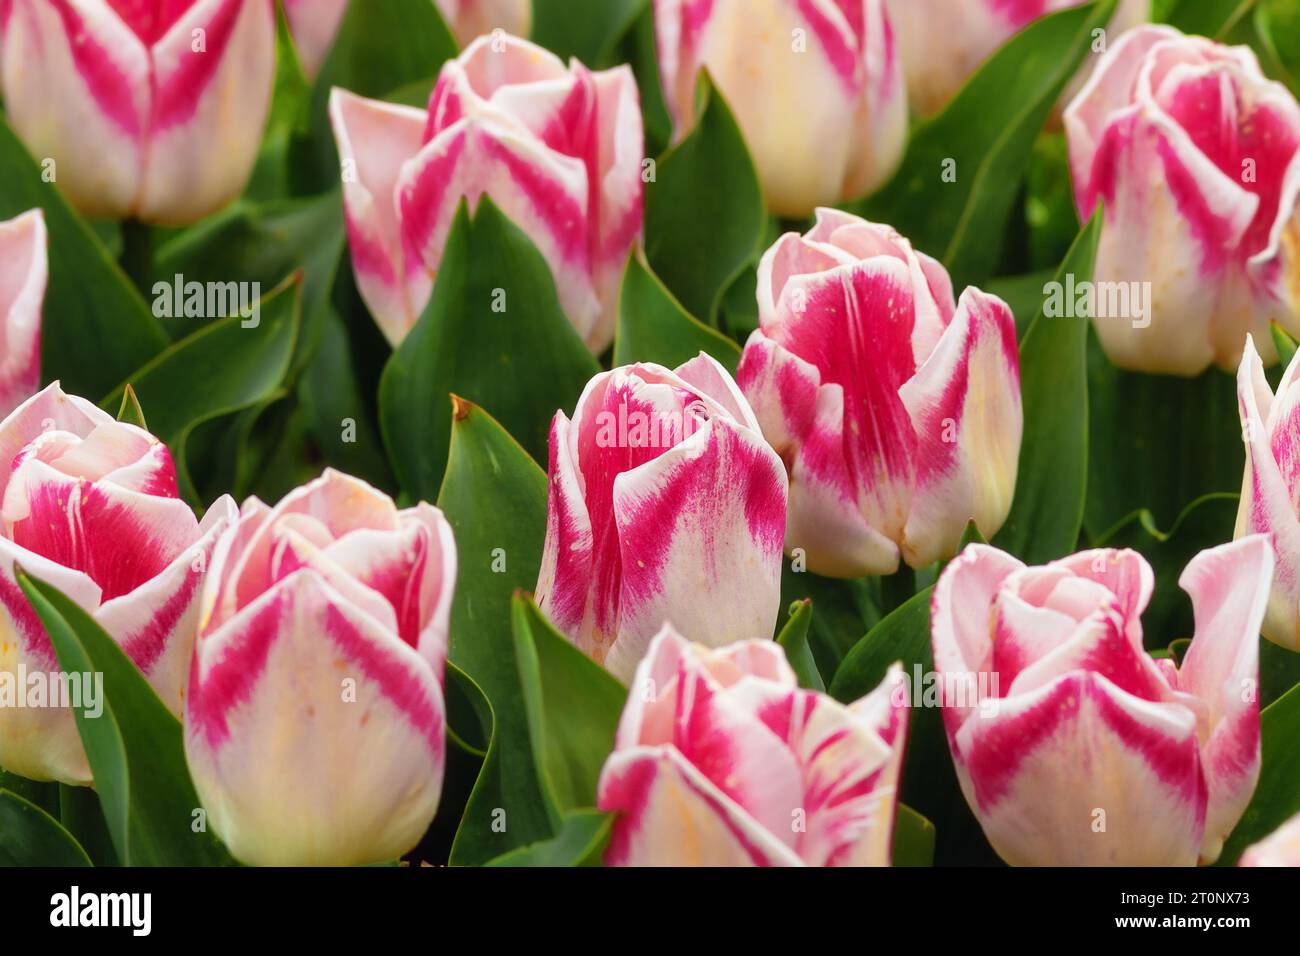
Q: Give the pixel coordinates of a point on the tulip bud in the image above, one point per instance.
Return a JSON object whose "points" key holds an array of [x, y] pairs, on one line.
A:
{"points": [[313, 25], [314, 727], [89, 505], [1270, 426], [944, 42], [1196, 156], [147, 110], [22, 289], [558, 149], [665, 504], [470, 19], [1280, 848], [897, 411], [815, 85], [1075, 747], [721, 759]]}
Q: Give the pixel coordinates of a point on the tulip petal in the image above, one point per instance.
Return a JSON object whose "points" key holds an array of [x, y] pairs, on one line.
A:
{"points": [[1080, 773], [278, 695], [23, 273], [1280, 848], [1229, 587], [77, 91], [964, 403], [213, 73], [313, 24], [474, 18], [374, 140]]}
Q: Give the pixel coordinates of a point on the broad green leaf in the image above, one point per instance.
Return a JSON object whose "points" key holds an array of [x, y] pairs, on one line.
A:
{"points": [[794, 641], [640, 48], [653, 326], [1286, 346], [134, 747], [580, 842], [1052, 482], [31, 837], [82, 814], [955, 190], [494, 333], [1277, 796], [1205, 523], [1157, 442], [913, 838], [379, 48], [1209, 18], [929, 780], [1279, 671], [573, 706], [97, 328], [704, 209], [845, 610], [290, 113], [224, 367], [494, 496], [587, 29]]}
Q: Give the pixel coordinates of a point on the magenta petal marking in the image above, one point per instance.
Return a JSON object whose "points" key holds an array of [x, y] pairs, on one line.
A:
{"points": [[112, 89]]}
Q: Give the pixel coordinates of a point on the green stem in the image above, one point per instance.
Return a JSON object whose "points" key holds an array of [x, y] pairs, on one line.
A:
{"points": [[897, 589], [137, 254]]}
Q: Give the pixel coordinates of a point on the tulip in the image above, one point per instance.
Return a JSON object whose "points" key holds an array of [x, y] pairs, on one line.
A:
{"points": [[896, 411], [470, 19], [558, 149], [22, 289], [149, 110], [1072, 745], [943, 42], [314, 723], [313, 25], [665, 504], [816, 86], [1270, 426], [89, 505], [1197, 159], [722, 760], [1281, 848]]}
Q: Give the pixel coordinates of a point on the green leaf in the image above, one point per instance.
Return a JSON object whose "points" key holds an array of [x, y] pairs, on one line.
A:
{"points": [[1024, 294], [580, 842], [222, 368], [130, 410], [1157, 442], [1286, 346], [134, 746], [845, 610], [704, 210], [929, 780], [1279, 671], [1277, 797], [1052, 482], [493, 332], [587, 29], [913, 838], [653, 326], [97, 328], [31, 837], [573, 707], [794, 640], [1205, 523], [379, 48], [494, 496], [1208, 18], [988, 131]]}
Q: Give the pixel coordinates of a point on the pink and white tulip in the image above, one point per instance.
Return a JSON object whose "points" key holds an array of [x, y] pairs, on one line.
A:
{"points": [[1075, 747], [558, 149], [666, 504], [721, 759], [470, 19], [152, 110], [23, 271], [89, 505], [896, 410], [314, 726], [1270, 427], [1196, 156], [314, 24], [816, 86], [944, 42], [1280, 848]]}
